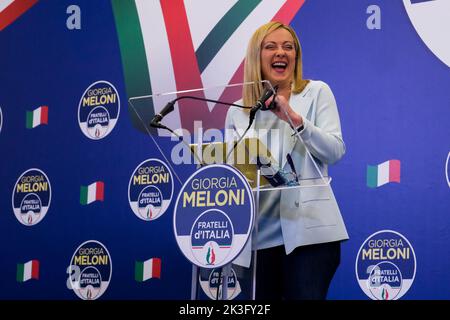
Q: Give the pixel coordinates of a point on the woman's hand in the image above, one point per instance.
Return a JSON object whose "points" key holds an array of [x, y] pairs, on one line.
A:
{"points": [[282, 110]]}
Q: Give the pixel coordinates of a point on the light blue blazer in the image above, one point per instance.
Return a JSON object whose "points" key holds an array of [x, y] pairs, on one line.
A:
{"points": [[308, 215]]}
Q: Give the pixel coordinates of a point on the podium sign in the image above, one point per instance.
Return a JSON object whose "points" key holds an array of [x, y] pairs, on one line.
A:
{"points": [[242, 157], [213, 216]]}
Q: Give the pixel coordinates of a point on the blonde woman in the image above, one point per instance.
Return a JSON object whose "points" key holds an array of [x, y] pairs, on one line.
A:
{"points": [[299, 232]]}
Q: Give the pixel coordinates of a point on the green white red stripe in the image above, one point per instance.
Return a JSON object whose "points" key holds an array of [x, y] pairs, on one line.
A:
{"points": [[27, 271], [93, 192], [166, 39], [148, 269], [37, 117], [383, 173]]}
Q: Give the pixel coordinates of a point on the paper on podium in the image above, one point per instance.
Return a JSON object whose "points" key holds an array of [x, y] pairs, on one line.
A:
{"points": [[244, 156]]}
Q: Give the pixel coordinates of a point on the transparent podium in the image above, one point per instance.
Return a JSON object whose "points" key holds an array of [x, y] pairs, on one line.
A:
{"points": [[194, 129]]}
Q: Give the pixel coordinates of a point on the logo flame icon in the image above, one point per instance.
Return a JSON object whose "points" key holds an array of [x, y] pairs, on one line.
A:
{"points": [[210, 256], [385, 294]]}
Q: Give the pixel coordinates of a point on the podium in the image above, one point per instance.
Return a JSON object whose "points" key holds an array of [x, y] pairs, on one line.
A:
{"points": [[236, 168]]}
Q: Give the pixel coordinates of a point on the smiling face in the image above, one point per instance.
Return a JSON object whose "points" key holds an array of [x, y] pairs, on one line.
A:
{"points": [[278, 57]]}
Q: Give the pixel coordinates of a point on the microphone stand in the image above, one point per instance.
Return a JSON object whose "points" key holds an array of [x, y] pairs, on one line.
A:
{"points": [[260, 105], [156, 121]]}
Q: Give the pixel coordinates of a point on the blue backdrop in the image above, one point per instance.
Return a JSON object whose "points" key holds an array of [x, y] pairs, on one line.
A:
{"points": [[393, 96]]}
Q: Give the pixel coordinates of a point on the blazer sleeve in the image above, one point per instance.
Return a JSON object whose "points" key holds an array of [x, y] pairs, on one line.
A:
{"points": [[323, 136]]}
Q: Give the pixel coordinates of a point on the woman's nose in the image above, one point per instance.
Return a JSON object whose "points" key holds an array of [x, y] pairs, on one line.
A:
{"points": [[280, 52]]}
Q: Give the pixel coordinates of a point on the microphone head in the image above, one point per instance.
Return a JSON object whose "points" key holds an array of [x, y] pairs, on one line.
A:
{"points": [[268, 92]]}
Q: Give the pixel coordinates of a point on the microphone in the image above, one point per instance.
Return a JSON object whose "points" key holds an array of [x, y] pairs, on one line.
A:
{"points": [[168, 108], [261, 103]]}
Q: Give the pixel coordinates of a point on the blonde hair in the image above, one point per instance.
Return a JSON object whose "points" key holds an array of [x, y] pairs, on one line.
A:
{"points": [[252, 65]]}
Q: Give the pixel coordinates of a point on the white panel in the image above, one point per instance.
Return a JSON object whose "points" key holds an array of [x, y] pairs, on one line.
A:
{"points": [[158, 56], [92, 190], [37, 117], [432, 22], [4, 4], [383, 173], [203, 15], [27, 270], [230, 56]]}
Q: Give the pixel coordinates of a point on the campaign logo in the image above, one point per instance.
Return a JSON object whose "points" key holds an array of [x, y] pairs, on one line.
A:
{"points": [[211, 282], [213, 216], [211, 237], [447, 169], [90, 270], [98, 110], [37, 117], [386, 172], [148, 269], [31, 197], [431, 21], [150, 189], [1, 119], [28, 270], [386, 265]]}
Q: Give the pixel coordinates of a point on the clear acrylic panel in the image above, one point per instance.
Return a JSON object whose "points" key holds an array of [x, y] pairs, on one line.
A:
{"points": [[188, 128]]}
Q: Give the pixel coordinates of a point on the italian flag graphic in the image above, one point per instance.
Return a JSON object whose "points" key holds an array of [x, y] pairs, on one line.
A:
{"points": [[383, 173], [164, 49], [148, 269], [37, 117], [91, 193], [27, 271], [10, 10]]}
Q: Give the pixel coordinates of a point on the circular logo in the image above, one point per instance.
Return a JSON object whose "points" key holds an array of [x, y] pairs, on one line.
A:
{"points": [[1, 119], [90, 270], [31, 197], [214, 215], [98, 110], [211, 284], [431, 19], [386, 265], [150, 189], [446, 169], [215, 226]]}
